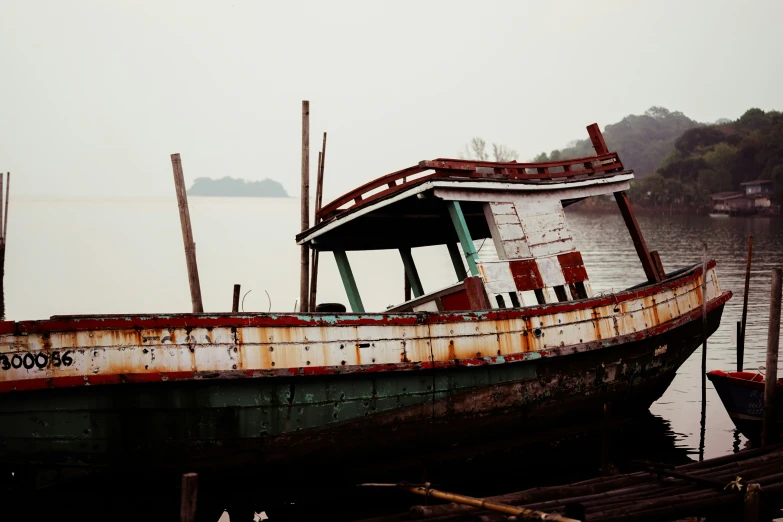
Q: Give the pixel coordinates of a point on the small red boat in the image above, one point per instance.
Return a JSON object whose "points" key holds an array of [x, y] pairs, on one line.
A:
{"points": [[742, 394]]}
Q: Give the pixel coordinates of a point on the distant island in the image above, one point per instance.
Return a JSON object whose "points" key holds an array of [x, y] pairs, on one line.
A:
{"points": [[238, 188]]}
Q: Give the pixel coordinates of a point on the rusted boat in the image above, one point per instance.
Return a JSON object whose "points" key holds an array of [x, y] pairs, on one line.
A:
{"points": [[518, 343], [742, 394]]}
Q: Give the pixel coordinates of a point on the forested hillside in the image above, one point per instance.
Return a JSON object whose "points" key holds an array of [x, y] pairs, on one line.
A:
{"points": [[642, 141], [715, 158]]}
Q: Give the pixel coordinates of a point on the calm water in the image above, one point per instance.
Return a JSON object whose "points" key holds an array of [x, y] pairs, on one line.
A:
{"points": [[123, 255]]}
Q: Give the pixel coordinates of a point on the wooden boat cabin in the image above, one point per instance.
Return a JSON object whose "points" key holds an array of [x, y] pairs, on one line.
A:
{"points": [[456, 202]]}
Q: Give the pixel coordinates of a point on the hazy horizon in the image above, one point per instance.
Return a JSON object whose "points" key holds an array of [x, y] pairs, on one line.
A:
{"points": [[96, 95]]}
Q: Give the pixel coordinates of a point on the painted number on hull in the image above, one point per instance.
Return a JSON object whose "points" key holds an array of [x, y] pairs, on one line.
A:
{"points": [[38, 360]]}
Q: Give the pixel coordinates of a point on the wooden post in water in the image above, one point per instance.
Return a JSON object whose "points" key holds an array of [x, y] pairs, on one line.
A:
{"points": [[741, 333], [304, 275], [3, 234], [703, 423], [769, 430], [752, 504], [187, 235], [319, 187], [235, 301], [188, 497]]}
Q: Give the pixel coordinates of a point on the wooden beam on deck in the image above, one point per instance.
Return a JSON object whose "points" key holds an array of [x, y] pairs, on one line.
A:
{"points": [[636, 235], [346, 274], [461, 227], [411, 273]]}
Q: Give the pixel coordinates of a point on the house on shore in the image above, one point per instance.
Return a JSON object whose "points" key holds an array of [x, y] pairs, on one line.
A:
{"points": [[755, 197]]}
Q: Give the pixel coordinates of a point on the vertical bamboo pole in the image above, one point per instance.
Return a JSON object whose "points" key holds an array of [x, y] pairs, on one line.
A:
{"points": [[3, 230], [769, 431], [235, 300], [187, 235], [7, 191], [741, 333], [304, 275], [703, 424], [188, 497], [319, 188]]}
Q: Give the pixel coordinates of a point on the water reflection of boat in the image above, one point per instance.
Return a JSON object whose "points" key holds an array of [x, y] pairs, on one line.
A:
{"points": [[742, 394], [520, 343], [719, 214]]}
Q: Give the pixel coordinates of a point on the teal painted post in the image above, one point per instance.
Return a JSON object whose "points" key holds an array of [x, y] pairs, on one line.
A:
{"points": [[411, 273], [348, 281], [455, 211], [456, 259]]}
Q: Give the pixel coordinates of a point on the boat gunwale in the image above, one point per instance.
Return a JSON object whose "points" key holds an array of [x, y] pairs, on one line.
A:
{"points": [[74, 381], [73, 323]]}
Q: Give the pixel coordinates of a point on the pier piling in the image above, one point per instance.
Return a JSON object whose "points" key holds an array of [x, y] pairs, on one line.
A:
{"points": [[187, 235], [235, 301], [769, 424], [188, 498], [3, 234], [304, 275]]}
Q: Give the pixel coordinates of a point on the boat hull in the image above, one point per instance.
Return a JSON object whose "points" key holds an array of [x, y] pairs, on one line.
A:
{"points": [[742, 394], [200, 392], [322, 420]]}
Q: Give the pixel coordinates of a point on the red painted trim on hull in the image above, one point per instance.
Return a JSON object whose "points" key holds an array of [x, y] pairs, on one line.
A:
{"points": [[63, 382], [120, 322]]}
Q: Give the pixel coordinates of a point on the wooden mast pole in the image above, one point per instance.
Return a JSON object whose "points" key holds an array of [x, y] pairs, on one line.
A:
{"points": [[650, 269], [319, 191], [187, 235], [769, 429], [304, 274]]}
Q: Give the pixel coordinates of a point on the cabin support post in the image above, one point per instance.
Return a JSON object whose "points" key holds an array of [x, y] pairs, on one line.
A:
{"points": [[769, 431], [346, 274], [461, 226], [456, 260], [411, 273], [636, 235]]}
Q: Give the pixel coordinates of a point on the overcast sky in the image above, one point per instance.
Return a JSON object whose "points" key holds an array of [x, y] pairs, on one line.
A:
{"points": [[95, 96]]}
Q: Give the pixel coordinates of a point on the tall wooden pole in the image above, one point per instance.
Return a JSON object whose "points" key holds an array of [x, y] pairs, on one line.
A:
{"points": [[304, 275], [7, 190], [187, 235], [741, 334], [319, 189], [652, 271], [703, 425], [769, 430], [3, 232]]}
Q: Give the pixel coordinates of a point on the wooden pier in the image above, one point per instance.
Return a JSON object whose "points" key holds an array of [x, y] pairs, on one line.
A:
{"points": [[722, 485]]}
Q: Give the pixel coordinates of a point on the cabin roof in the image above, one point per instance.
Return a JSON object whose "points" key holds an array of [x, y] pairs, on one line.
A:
{"points": [[403, 209], [757, 182]]}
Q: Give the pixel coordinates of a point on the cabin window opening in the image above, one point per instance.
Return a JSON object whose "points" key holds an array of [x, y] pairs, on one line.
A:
{"points": [[581, 291], [514, 299], [540, 296], [501, 301], [560, 292]]}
